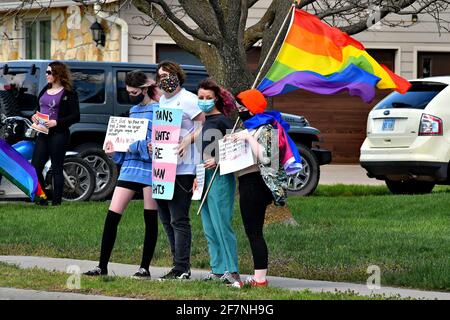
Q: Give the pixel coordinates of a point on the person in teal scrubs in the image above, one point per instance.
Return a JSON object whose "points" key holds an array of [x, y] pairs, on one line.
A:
{"points": [[217, 212]]}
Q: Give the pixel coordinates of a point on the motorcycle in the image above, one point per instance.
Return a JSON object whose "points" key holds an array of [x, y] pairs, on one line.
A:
{"points": [[79, 177]]}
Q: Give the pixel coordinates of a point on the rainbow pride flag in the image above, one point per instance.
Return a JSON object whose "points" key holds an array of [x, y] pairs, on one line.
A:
{"points": [[20, 172], [325, 60]]}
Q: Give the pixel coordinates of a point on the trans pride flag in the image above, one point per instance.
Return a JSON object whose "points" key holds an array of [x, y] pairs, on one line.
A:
{"points": [[325, 60], [19, 171]]}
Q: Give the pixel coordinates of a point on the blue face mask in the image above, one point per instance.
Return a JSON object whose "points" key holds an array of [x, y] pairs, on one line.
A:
{"points": [[206, 105]]}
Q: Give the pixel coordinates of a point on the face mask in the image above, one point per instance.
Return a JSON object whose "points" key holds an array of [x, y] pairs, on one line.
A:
{"points": [[137, 99], [244, 115], [170, 83], [206, 105]]}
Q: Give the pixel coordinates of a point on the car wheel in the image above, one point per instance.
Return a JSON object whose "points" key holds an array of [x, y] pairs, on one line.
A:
{"points": [[105, 169], [410, 187], [306, 180]]}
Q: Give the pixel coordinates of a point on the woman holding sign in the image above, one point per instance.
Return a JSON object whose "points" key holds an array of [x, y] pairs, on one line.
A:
{"points": [[135, 175], [57, 110], [266, 181], [217, 212]]}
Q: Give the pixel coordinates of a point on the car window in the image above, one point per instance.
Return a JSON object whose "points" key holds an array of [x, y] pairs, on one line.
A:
{"points": [[417, 97], [122, 94], [192, 81], [89, 84], [22, 85]]}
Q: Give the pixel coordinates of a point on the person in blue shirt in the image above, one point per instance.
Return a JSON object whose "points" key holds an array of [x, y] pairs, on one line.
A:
{"points": [[135, 175]]}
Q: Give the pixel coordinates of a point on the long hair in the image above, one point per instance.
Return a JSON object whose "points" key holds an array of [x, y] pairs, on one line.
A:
{"points": [[225, 101], [61, 73], [138, 79]]}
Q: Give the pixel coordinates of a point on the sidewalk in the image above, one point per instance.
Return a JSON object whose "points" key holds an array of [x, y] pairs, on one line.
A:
{"points": [[53, 264], [21, 294]]}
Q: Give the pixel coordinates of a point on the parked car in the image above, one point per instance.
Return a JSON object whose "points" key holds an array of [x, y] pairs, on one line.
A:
{"points": [[102, 93], [407, 142]]}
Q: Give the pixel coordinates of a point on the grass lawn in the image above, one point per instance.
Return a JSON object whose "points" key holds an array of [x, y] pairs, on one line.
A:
{"points": [[343, 230], [38, 279]]}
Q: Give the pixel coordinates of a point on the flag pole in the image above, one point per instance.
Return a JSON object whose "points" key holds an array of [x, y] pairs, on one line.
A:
{"points": [[253, 86]]}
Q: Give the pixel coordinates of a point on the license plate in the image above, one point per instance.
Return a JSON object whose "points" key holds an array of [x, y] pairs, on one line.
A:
{"points": [[388, 125]]}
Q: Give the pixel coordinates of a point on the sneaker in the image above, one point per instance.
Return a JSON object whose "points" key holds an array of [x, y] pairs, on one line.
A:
{"points": [[176, 274], [142, 273], [232, 279], [251, 281], [212, 276], [96, 272]]}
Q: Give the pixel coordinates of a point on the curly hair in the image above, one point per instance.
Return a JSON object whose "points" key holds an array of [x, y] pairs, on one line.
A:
{"points": [[61, 73], [225, 100]]}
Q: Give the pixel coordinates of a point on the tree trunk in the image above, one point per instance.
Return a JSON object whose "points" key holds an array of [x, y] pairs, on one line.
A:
{"points": [[227, 67]]}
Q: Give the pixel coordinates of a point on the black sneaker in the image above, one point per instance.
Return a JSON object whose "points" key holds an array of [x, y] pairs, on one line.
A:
{"points": [[96, 272], [142, 273], [176, 274]]}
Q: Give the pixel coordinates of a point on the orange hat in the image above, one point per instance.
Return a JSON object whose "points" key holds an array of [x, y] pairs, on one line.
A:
{"points": [[253, 100]]}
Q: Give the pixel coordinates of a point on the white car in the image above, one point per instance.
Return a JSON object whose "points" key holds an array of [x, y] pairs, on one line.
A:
{"points": [[408, 138]]}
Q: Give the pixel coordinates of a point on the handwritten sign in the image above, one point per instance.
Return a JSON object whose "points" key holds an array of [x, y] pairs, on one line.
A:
{"points": [[165, 136], [234, 156], [200, 176], [124, 131]]}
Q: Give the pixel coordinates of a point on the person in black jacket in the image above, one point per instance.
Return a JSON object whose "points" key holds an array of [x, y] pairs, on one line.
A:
{"points": [[59, 101]]}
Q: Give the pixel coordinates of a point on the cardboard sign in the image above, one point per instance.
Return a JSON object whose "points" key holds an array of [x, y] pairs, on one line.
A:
{"points": [[124, 131], [234, 156], [42, 119], [200, 176], [165, 137]]}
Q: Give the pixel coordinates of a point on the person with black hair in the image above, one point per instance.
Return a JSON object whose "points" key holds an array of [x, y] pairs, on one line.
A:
{"points": [[135, 176]]}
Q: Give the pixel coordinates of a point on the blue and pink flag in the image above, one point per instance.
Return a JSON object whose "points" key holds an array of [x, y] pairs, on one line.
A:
{"points": [[19, 171]]}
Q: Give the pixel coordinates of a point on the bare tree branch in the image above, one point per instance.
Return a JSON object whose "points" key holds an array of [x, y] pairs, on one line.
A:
{"points": [[167, 25]]}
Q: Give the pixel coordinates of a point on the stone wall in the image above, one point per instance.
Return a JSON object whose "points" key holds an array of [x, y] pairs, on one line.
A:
{"points": [[71, 37], [9, 42]]}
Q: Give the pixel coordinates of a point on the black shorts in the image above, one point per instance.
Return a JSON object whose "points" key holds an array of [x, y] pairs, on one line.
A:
{"points": [[135, 186]]}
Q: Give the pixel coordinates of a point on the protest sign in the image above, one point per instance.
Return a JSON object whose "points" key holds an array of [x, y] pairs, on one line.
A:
{"points": [[165, 136], [124, 131], [200, 176], [234, 155], [42, 119]]}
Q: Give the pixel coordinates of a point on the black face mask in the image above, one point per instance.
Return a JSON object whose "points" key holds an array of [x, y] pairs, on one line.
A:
{"points": [[244, 115], [137, 99]]}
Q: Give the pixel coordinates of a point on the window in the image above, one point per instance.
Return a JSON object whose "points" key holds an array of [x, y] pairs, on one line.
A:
{"points": [[432, 64], [417, 97], [37, 39], [89, 84], [122, 94], [175, 53]]}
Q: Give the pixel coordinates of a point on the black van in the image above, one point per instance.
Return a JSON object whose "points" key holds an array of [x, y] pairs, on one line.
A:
{"points": [[101, 91]]}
